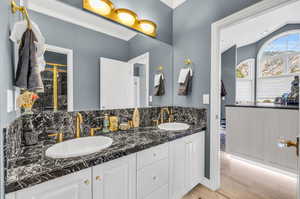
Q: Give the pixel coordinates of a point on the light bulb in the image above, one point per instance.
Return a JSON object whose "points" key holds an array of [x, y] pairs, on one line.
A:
{"points": [[103, 7], [147, 26], [127, 17]]}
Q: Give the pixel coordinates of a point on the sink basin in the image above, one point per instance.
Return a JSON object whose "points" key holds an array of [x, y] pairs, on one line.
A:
{"points": [[174, 126], [79, 147]]}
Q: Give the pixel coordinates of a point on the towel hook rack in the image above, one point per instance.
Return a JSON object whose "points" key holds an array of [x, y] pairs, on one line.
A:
{"points": [[160, 68], [23, 10], [188, 61]]}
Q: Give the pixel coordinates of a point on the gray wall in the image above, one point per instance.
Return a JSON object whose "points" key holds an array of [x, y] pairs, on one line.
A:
{"points": [[228, 61], [6, 76], [153, 10], [192, 38], [88, 46], [161, 54]]}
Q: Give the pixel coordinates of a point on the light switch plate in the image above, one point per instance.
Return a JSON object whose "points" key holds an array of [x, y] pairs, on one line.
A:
{"points": [[150, 98], [10, 100], [206, 99]]}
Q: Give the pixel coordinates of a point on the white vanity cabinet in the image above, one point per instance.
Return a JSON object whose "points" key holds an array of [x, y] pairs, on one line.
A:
{"points": [[115, 179], [186, 164], [153, 173], [74, 186]]}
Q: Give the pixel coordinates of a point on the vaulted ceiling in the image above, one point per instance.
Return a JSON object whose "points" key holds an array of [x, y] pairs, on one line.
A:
{"points": [[254, 29]]}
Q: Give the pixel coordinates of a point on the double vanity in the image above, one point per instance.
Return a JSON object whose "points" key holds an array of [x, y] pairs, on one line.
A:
{"points": [[149, 162]]}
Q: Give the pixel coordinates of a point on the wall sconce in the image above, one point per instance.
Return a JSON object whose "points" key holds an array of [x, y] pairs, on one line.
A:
{"points": [[123, 16]]}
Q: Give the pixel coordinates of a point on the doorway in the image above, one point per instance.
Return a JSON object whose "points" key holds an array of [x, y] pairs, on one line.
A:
{"points": [[247, 14]]}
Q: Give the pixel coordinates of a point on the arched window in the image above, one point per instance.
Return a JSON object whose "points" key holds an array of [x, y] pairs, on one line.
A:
{"points": [[245, 81], [278, 63]]}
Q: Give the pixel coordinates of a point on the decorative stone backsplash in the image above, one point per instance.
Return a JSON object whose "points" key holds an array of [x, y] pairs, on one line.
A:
{"points": [[44, 123]]}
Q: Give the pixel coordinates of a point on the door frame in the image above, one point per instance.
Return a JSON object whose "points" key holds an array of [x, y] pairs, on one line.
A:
{"points": [[69, 54], [144, 59], [215, 88]]}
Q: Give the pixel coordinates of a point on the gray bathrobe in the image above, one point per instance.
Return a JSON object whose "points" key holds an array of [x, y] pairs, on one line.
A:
{"points": [[28, 74]]}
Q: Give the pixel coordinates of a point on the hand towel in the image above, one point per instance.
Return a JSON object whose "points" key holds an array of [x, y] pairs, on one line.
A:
{"points": [[182, 75], [16, 36], [159, 89], [223, 89], [157, 78], [28, 74], [186, 87]]}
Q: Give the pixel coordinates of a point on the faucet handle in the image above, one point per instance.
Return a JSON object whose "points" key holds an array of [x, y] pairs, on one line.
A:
{"points": [[59, 136], [92, 130], [156, 122]]}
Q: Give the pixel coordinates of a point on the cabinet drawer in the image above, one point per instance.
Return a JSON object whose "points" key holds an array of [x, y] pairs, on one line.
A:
{"points": [[152, 177], [152, 155], [161, 193]]}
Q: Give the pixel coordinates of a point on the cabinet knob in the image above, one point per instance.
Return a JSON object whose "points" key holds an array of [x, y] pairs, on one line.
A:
{"points": [[154, 154], [87, 182], [98, 178], [154, 177]]}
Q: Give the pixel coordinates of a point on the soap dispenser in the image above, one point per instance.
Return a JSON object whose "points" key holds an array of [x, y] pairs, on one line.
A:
{"points": [[136, 118], [105, 124]]}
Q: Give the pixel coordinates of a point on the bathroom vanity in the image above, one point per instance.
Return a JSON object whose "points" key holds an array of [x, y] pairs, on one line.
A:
{"points": [[141, 163]]}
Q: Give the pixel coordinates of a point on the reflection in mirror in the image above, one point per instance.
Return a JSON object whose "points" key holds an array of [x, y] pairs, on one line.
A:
{"points": [[128, 84], [55, 79], [110, 72]]}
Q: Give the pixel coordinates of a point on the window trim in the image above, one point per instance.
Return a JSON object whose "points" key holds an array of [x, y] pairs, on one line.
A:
{"points": [[261, 50]]}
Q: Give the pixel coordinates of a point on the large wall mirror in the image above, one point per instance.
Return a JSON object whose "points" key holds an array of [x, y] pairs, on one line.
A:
{"points": [[103, 71]]}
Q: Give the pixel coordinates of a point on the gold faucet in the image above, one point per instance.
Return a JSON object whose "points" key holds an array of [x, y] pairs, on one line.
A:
{"points": [[79, 121], [59, 136], [162, 111]]}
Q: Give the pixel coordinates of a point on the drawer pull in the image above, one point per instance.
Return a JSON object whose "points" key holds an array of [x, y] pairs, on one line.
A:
{"points": [[98, 178], [87, 182]]}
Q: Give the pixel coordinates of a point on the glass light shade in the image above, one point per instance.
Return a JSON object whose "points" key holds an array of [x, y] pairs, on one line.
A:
{"points": [[147, 26], [103, 7], [127, 17]]}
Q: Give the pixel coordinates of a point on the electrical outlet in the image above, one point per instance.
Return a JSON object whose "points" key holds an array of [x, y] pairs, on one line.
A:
{"points": [[10, 100], [206, 99]]}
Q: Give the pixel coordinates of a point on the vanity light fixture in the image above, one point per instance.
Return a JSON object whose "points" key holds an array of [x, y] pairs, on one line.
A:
{"points": [[147, 26], [126, 16], [123, 16]]}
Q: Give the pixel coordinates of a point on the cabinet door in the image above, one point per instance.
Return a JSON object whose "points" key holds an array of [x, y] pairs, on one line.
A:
{"points": [[186, 164], [195, 171], [178, 167], [73, 186], [115, 179]]}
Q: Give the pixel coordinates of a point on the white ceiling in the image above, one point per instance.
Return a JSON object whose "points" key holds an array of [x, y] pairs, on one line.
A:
{"points": [[173, 3], [257, 28]]}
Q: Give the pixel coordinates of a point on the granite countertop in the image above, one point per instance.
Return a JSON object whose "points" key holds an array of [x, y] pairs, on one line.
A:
{"points": [[33, 167], [265, 105]]}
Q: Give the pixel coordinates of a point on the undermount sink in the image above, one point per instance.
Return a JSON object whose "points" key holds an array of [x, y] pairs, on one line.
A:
{"points": [[174, 126], [79, 147]]}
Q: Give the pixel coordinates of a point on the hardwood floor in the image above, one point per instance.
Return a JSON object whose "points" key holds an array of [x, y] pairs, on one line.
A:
{"points": [[243, 181]]}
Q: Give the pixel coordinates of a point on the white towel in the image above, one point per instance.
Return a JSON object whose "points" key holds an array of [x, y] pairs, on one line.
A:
{"points": [[157, 79], [183, 73]]}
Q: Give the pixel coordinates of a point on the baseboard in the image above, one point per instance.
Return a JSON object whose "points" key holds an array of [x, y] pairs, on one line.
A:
{"points": [[264, 166], [209, 184]]}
